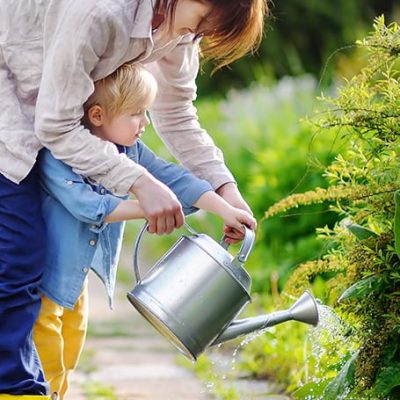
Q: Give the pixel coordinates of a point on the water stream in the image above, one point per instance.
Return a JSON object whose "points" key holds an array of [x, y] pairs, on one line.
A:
{"points": [[330, 335], [329, 330], [330, 340], [224, 359]]}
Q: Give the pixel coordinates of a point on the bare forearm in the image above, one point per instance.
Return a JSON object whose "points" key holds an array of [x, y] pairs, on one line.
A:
{"points": [[126, 210], [233, 217], [213, 203]]}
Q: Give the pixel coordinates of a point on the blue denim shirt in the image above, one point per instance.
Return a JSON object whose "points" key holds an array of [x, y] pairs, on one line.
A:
{"points": [[74, 209]]}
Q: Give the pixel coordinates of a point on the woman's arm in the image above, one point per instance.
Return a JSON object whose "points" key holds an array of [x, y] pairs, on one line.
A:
{"points": [[175, 117], [75, 40]]}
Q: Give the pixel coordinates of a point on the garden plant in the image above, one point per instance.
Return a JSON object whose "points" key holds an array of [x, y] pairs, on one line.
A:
{"points": [[360, 270]]}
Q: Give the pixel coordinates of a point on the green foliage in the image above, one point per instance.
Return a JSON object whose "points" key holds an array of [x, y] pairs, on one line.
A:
{"points": [[338, 388], [361, 288], [302, 36], [388, 381], [272, 153], [330, 389], [314, 389], [361, 265], [397, 222], [360, 232]]}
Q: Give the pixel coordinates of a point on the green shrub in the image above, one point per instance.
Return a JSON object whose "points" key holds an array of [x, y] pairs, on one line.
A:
{"points": [[272, 153], [362, 263]]}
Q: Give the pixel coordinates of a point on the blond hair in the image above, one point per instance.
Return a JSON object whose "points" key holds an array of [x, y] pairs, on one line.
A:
{"points": [[127, 88]]}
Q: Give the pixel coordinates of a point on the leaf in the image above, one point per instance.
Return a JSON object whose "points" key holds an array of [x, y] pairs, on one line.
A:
{"points": [[361, 288], [312, 390], [358, 231], [397, 222], [340, 385], [387, 380]]}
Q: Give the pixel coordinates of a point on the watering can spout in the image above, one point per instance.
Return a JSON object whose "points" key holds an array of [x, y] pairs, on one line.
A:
{"points": [[303, 310]]}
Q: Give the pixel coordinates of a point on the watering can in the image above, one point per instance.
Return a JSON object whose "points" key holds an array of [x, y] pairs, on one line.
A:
{"points": [[193, 294]]}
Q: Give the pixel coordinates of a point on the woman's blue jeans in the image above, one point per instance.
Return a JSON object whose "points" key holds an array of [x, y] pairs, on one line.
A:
{"points": [[22, 250]]}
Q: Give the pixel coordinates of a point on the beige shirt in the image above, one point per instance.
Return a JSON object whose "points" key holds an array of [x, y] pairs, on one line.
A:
{"points": [[51, 51]]}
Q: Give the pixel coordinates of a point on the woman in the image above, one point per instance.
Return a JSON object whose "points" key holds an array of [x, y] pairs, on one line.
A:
{"points": [[51, 52]]}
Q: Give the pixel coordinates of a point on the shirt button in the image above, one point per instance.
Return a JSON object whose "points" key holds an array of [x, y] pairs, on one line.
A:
{"points": [[102, 191], [94, 226], [92, 242], [85, 269], [69, 182]]}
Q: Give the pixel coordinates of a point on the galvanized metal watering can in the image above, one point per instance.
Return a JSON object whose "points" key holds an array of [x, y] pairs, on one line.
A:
{"points": [[195, 291]]}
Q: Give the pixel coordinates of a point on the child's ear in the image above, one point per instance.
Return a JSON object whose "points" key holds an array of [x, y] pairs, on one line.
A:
{"points": [[95, 115]]}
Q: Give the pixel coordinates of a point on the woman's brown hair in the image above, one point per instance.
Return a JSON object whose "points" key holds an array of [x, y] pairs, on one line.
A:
{"points": [[232, 29]]}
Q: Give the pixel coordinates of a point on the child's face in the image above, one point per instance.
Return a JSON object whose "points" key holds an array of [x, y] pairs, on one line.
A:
{"points": [[125, 129], [189, 14]]}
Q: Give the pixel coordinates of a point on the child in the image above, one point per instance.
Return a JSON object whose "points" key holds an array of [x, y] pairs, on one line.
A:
{"points": [[83, 219]]}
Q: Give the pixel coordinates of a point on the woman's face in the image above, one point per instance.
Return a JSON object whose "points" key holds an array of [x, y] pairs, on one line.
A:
{"points": [[188, 16]]}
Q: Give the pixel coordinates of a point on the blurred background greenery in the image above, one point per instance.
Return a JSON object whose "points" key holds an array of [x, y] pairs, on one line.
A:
{"points": [[303, 37]]}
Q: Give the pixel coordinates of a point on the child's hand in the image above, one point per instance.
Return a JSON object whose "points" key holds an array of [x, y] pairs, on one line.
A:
{"points": [[234, 216], [234, 219]]}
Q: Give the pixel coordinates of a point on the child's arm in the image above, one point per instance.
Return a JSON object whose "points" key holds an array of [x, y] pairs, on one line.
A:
{"points": [[126, 210], [62, 185], [233, 217]]}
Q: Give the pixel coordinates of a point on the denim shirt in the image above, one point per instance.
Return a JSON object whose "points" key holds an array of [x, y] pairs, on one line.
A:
{"points": [[74, 209]]}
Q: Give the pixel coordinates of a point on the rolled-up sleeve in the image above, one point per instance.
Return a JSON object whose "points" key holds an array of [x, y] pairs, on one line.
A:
{"points": [[69, 189], [83, 36], [175, 117]]}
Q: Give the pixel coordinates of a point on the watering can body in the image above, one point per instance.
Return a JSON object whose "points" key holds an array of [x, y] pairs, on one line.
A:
{"points": [[195, 291]]}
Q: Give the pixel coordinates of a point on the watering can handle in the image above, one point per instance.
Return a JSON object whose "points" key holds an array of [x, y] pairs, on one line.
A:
{"points": [[247, 245], [242, 256], [136, 248]]}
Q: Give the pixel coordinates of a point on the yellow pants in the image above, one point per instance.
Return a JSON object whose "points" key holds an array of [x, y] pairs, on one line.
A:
{"points": [[59, 336]]}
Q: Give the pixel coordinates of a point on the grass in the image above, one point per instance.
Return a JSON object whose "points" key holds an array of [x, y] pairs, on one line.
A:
{"points": [[98, 391]]}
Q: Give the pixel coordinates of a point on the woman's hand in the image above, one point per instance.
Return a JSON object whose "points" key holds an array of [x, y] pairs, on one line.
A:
{"points": [[230, 193], [161, 208]]}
